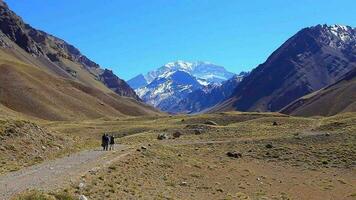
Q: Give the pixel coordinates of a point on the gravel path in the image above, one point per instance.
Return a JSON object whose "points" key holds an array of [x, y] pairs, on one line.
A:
{"points": [[56, 173]]}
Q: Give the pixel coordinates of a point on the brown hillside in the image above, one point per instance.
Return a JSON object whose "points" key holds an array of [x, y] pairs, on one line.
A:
{"points": [[336, 98], [55, 55], [30, 90]]}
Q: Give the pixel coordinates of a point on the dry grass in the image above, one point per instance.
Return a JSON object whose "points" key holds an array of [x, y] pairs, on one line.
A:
{"points": [[315, 156]]}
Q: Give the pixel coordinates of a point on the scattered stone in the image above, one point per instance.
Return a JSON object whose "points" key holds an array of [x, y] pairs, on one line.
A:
{"points": [[177, 134], [234, 154], [197, 132], [82, 197], [220, 190], [81, 185], [43, 148], [183, 183], [162, 136], [211, 123], [269, 146], [275, 124], [143, 148], [327, 134], [297, 137]]}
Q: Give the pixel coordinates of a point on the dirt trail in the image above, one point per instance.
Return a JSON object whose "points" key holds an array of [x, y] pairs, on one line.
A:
{"points": [[56, 173]]}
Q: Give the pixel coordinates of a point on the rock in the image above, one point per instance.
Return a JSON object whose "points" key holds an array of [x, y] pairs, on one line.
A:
{"points": [[234, 154], [182, 120], [269, 146], [81, 185], [275, 124], [82, 197], [177, 134], [211, 123], [183, 183], [43, 148], [327, 134], [162, 136], [197, 132], [143, 148], [219, 190]]}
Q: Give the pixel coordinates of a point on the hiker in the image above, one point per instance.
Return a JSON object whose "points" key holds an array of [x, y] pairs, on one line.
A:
{"points": [[103, 141], [112, 142], [107, 142]]}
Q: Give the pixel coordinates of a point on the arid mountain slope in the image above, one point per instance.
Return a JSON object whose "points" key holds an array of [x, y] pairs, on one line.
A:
{"points": [[336, 98], [44, 77], [312, 59], [28, 89], [55, 55]]}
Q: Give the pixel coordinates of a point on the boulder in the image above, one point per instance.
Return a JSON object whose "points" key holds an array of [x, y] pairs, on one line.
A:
{"points": [[197, 132], [162, 136], [211, 123], [82, 197], [177, 134], [234, 154]]}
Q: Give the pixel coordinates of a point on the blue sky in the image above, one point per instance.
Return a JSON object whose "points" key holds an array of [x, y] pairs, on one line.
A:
{"points": [[135, 36]]}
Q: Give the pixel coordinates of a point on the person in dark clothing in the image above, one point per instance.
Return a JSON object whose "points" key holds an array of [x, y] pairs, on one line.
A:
{"points": [[103, 141], [112, 142], [107, 142]]}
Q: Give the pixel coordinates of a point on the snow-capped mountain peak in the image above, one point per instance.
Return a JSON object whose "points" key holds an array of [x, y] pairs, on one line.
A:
{"points": [[172, 82]]}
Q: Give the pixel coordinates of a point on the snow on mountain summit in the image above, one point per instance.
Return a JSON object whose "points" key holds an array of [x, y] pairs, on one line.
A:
{"points": [[170, 83]]}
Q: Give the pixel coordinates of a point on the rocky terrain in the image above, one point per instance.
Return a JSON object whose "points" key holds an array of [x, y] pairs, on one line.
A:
{"points": [[312, 59], [223, 156], [54, 54], [336, 98], [208, 96], [24, 143]]}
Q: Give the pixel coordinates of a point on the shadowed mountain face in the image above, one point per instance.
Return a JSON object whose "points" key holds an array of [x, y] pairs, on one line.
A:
{"points": [[54, 54], [44, 77], [164, 92], [336, 98], [312, 59], [208, 96], [167, 87]]}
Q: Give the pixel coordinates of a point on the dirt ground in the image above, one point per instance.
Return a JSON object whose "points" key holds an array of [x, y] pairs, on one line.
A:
{"points": [[222, 156]]}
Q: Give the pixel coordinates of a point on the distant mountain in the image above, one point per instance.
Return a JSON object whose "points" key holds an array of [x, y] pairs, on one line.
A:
{"points": [[336, 98], [169, 84], [54, 54], [43, 76], [208, 96], [165, 91], [312, 59], [205, 72]]}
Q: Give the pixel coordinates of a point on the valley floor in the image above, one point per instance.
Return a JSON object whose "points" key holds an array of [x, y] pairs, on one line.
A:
{"points": [[272, 156]]}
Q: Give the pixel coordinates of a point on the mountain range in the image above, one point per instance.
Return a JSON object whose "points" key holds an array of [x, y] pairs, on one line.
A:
{"points": [[310, 60], [45, 77], [170, 86]]}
